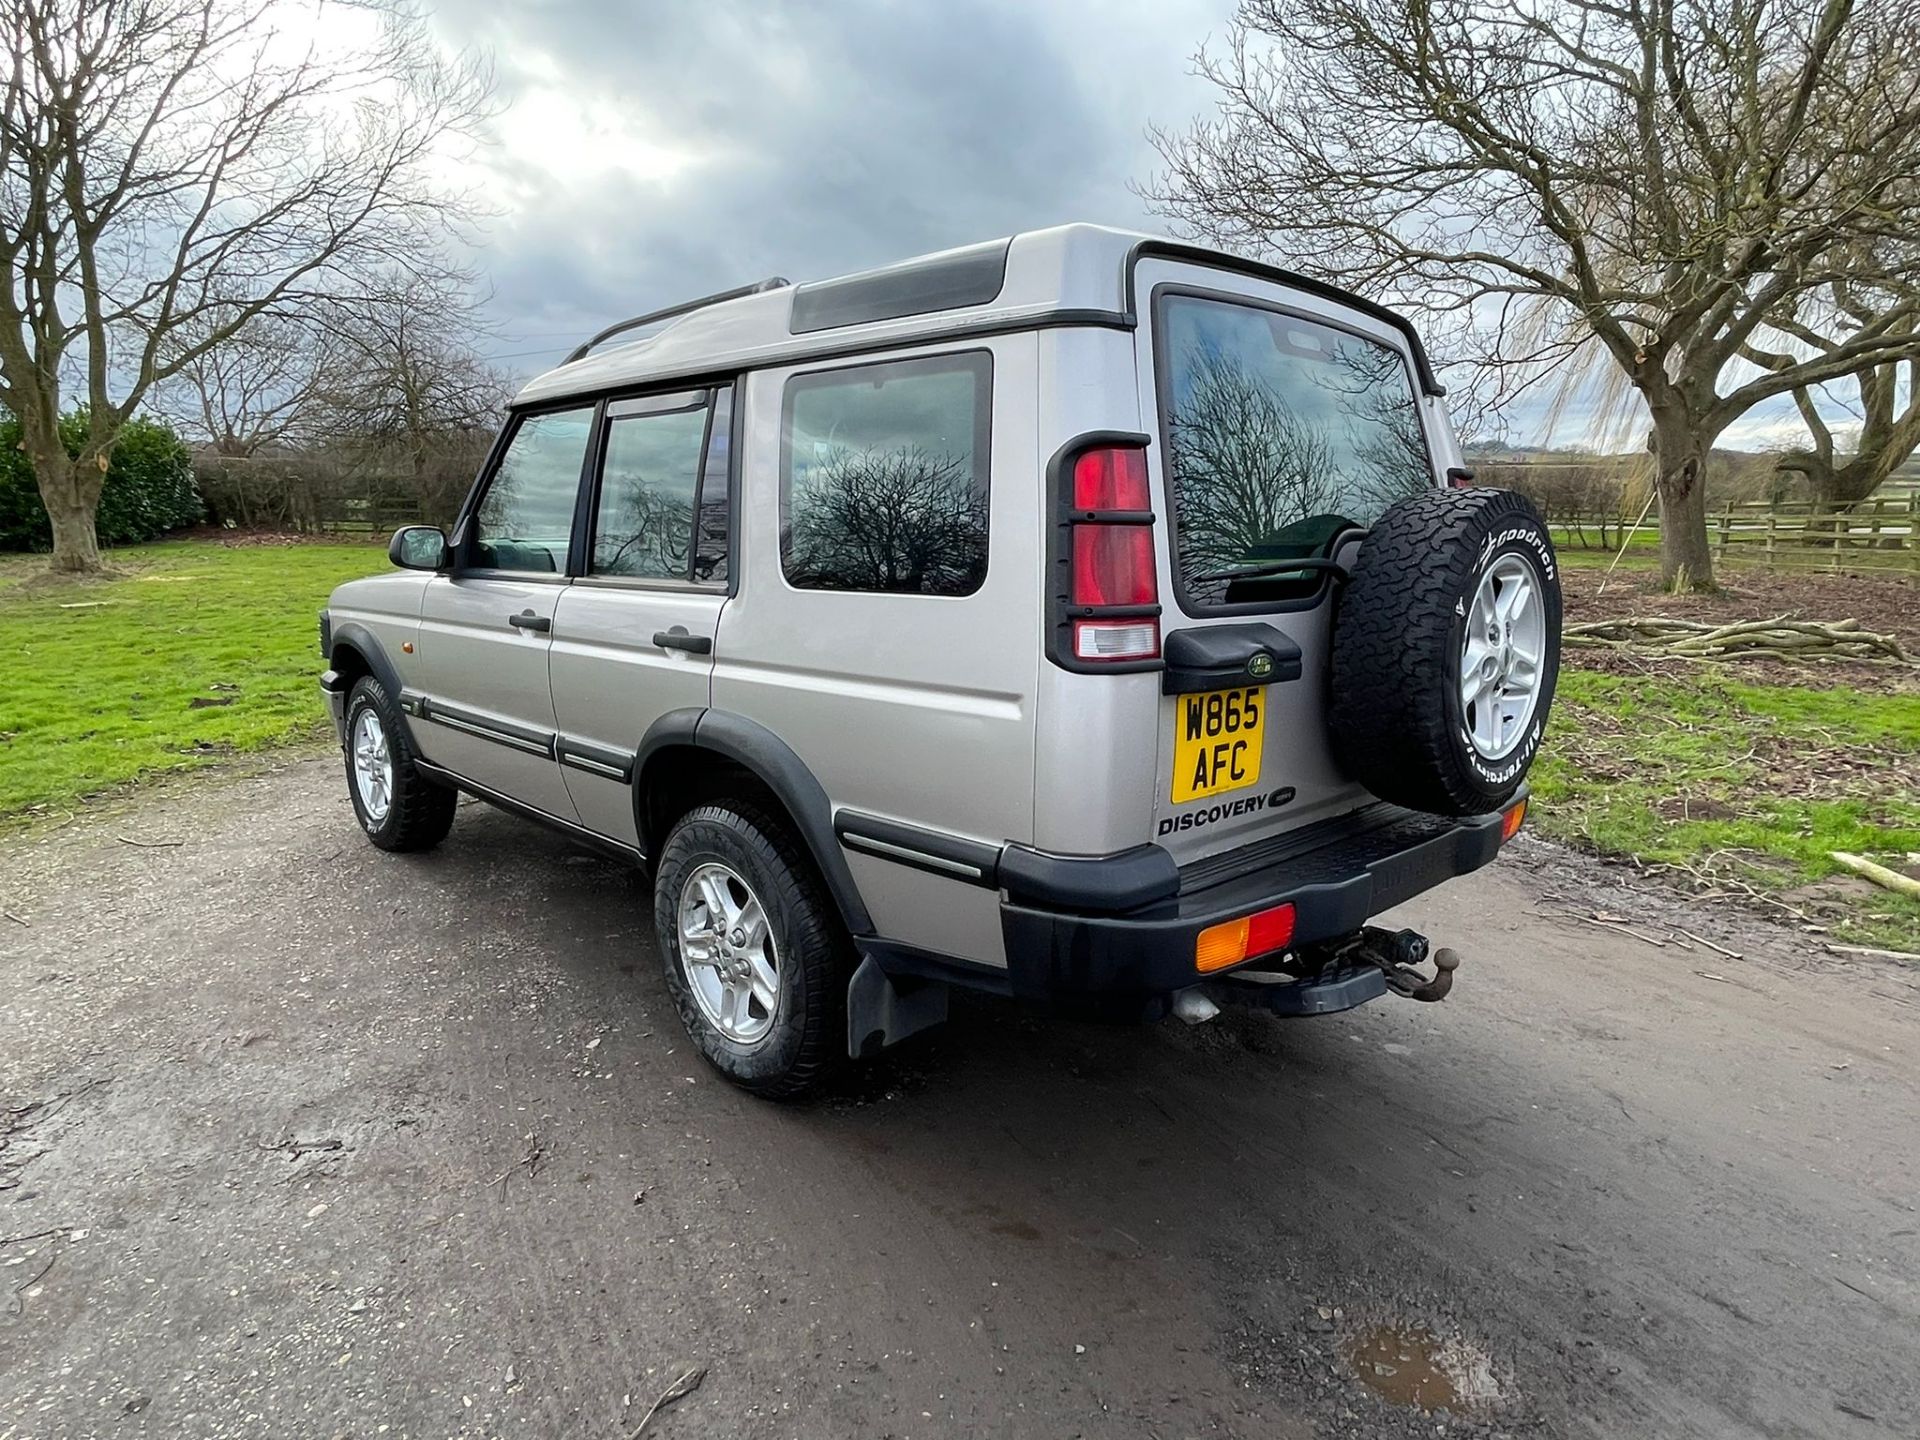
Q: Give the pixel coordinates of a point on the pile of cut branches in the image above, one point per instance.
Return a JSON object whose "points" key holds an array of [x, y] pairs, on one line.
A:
{"points": [[1781, 638]]}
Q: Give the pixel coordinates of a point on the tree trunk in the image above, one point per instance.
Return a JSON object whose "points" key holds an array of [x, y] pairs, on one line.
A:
{"points": [[71, 493], [1686, 560]]}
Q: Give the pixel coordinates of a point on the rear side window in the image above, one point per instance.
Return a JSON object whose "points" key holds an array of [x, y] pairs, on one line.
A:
{"points": [[884, 476], [525, 520], [1281, 433], [661, 511]]}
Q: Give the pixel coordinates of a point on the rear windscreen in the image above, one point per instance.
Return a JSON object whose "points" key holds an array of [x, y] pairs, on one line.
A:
{"points": [[1281, 433]]}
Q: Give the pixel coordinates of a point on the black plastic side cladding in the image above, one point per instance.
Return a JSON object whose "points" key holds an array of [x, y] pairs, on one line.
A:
{"points": [[353, 636], [753, 746]]}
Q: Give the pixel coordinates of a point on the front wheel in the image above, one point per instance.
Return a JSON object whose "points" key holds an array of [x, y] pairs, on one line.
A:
{"points": [[398, 807], [754, 960]]}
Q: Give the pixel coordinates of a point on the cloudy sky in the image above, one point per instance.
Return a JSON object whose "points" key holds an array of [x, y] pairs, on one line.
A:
{"points": [[648, 151]]}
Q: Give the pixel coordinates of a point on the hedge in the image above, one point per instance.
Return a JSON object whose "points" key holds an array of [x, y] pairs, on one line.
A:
{"points": [[149, 488]]}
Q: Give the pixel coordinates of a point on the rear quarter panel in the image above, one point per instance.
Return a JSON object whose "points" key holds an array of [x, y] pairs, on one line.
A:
{"points": [[915, 708]]}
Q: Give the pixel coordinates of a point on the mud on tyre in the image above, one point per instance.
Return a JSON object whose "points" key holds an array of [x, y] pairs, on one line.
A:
{"points": [[1446, 649]]}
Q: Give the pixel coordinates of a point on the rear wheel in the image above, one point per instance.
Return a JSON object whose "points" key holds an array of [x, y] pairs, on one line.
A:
{"points": [[1446, 649], [754, 960], [398, 807]]}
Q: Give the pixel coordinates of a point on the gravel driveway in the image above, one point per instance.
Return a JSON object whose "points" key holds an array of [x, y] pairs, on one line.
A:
{"points": [[301, 1139]]}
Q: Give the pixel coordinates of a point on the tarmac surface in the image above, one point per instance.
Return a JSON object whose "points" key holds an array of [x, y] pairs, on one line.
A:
{"points": [[302, 1139]]}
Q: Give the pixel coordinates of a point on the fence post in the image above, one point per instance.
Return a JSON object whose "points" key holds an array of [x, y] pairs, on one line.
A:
{"points": [[1726, 526], [1773, 525]]}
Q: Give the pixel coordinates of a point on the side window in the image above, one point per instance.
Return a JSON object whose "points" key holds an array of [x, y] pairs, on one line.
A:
{"points": [[711, 523], [662, 511], [884, 476], [525, 521]]}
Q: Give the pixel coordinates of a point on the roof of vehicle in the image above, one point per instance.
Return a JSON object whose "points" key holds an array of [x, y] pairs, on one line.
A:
{"points": [[1068, 275]]}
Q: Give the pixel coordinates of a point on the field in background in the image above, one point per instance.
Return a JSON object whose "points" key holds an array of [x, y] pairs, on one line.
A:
{"points": [[1738, 778], [1878, 536], [199, 652]]}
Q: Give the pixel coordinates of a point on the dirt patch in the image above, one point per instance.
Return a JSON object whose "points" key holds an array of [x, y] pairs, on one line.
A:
{"points": [[1886, 605], [247, 538], [1408, 1365]]}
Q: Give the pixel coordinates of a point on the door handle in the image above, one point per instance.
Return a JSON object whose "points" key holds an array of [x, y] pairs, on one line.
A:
{"points": [[527, 620], [678, 639]]}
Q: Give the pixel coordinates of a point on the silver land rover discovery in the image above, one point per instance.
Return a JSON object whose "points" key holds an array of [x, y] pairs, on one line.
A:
{"points": [[1083, 617]]}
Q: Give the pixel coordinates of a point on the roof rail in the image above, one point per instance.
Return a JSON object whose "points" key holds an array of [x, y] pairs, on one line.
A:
{"points": [[673, 312]]}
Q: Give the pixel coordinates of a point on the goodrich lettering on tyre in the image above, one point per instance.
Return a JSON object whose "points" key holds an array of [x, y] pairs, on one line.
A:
{"points": [[1446, 651]]}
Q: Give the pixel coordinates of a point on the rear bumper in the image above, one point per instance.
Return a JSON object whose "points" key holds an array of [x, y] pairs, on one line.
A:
{"points": [[1337, 875]]}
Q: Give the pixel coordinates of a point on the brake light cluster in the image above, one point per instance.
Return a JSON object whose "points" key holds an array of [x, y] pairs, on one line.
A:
{"points": [[1222, 946], [1113, 591]]}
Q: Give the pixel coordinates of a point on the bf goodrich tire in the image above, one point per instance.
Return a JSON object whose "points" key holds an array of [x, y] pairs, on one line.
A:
{"points": [[1446, 649], [398, 807], [754, 957]]}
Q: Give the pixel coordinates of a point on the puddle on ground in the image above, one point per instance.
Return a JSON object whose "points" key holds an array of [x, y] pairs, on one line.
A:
{"points": [[1407, 1365]]}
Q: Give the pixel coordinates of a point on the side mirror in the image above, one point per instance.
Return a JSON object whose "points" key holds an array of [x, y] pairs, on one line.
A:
{"points": [[418, 547]]}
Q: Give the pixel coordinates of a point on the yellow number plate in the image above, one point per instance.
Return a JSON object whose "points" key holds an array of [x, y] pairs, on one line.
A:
{"points": [[1216, 742]]}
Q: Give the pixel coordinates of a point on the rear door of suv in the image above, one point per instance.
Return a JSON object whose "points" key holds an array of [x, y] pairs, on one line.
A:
{"points": [[633, 636], [1284, 423]]}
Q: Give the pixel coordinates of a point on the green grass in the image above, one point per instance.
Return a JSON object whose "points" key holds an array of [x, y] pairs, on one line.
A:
{"points": [[100, 677], [1645, 540], [1742, 782], [1702, 766]]}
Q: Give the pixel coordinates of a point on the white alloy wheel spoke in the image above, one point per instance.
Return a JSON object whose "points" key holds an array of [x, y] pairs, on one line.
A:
{"points": [[1502, 653], [765, 984], [727, 953]]}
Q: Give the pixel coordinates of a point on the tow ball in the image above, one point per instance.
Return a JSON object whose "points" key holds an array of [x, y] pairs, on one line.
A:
{"points": [[1329, 977], [1398, 953]]}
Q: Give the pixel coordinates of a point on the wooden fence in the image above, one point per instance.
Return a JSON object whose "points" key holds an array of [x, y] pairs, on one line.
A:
{"points": [[380, 514], [1880, 534]]}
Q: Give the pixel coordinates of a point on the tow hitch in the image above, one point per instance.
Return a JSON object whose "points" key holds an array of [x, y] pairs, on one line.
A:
{"points": [[1324, 979], [1397, 955]]}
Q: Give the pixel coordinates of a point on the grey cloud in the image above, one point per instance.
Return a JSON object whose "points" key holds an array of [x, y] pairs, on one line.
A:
{"points": [[839, 135]]}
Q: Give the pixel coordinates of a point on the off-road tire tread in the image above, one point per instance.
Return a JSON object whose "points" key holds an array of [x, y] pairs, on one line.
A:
{"points": [[809, 932], [1392, 643], [422, 810]]}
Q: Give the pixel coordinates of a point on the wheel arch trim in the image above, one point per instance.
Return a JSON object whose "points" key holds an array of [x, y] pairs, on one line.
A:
{"points": [[355, 638], [769, 759]]}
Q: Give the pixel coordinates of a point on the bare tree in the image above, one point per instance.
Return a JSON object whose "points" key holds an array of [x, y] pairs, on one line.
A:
{"points": [[1654, 180], [254, 390], [404, 386], [1889, 430], [172, 169], [887, 520], [1246, 465]]}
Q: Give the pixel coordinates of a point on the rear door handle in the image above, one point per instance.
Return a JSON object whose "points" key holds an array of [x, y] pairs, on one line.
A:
{"points": [[679, 639], [527, 620]]}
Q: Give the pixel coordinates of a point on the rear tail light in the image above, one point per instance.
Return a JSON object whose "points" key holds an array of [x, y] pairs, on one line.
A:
{"points": [[1512, 820], [1113, 478], [1221, 946], [1113, 565], [1107, 600], [1115, 639]]}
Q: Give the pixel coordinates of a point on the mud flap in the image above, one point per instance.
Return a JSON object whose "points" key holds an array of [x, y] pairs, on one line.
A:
{"points": [[883, 1010]]}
